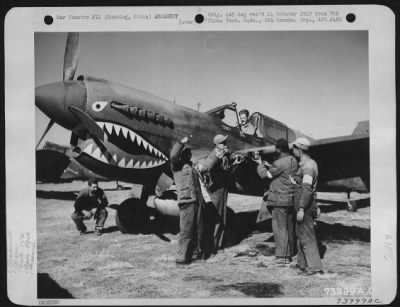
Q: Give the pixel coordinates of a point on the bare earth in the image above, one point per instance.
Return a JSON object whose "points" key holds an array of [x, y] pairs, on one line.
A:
{"points": [[118, 265]]}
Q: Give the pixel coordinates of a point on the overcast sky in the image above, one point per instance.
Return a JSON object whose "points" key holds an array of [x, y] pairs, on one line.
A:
{"points": [[316, 82]]}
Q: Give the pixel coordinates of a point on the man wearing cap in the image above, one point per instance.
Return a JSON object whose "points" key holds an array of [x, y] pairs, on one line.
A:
{"points": [[216, 165], [308, 257], [189, 200], [280, 199]]}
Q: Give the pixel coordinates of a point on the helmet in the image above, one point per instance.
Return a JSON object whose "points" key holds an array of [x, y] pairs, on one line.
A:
{"points": [[302, 143]]}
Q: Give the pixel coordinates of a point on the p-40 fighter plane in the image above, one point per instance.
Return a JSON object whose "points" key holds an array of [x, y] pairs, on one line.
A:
{"points": [[126, 134]]}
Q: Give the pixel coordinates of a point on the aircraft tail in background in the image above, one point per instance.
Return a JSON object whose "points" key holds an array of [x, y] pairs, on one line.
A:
{"points": [[361, 128]]}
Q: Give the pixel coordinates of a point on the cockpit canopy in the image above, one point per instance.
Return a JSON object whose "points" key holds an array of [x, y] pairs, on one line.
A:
{"points": [[266, 127]]}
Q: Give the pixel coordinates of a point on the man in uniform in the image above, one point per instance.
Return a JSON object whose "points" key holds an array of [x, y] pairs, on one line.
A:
{"points": [[216, 165], [87, 200], [280, 199], [308, 257], [189, 201], [245, 125]]}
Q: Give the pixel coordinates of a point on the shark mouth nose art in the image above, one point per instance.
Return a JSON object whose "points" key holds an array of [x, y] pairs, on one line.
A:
{"points": [[126, 149]]}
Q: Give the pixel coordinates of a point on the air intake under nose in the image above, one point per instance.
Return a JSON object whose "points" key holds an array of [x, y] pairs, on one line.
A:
{"points": [[53, 100]]}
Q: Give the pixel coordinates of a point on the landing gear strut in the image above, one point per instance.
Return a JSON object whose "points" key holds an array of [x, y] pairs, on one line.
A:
{"points": [[351, 204], [118, 186]]}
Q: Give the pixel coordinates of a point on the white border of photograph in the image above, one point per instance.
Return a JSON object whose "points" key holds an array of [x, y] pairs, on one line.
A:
{"points": [[22, 23]]}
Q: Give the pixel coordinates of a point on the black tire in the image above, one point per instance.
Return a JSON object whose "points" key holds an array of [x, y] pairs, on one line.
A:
{"points": [[132, 216]]}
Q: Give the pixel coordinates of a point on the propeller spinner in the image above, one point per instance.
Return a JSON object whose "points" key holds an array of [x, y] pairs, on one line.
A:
{"points": [[44, 93]]}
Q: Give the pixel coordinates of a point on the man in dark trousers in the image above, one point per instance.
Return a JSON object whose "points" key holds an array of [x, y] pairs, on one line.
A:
{"points": [[216, 166], [308, 257], [87, 200], [280, 200], [189, 201]]}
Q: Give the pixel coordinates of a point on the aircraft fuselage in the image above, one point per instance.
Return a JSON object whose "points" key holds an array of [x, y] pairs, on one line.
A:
{"points": [[140, 128]]}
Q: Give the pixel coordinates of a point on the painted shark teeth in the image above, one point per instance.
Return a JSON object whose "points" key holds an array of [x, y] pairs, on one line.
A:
{"points": [[117, 128], [122, 163], [145, 145], [96, 153], [103, 158], [125, 132], [130, 164], [133, 137], [88, 149], [108, 127], [126, 162]]}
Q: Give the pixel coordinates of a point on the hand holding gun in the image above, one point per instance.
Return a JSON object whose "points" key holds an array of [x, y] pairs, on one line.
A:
{"points": [[238, 159], [257, 158], [186, 139]]}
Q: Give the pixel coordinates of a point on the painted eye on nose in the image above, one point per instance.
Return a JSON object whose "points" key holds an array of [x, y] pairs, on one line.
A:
{"points": [[99, 105]]}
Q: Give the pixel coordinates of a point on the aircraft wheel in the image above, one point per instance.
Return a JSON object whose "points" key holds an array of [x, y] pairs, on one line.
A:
{"points": [[132, 216]]}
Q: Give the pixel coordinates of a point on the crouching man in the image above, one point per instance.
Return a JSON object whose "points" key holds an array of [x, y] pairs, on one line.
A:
{"points": [[90, 202]]}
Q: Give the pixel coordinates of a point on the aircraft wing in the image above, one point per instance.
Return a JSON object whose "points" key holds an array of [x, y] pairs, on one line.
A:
{"points": [[75, 171], [54, 163], [50, 165], [342, 157], [338, 158]]}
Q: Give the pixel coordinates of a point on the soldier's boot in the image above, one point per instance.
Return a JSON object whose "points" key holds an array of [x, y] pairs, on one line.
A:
{"points": [[98, 231]]}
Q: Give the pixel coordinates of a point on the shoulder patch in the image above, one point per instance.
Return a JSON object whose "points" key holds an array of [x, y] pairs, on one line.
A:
{"points": [[307, 179]]}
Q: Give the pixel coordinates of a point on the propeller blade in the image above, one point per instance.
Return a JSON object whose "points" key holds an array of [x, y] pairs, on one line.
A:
{"points": [[105, 151], [71, 56], [88, 127], [87, 123], [49, 125]]}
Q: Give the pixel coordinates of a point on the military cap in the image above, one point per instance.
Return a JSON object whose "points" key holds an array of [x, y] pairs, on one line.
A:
{"points": [[219, 138], [302, 143]]}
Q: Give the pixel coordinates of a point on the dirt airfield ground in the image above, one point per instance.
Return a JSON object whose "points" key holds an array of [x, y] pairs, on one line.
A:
{"points": [[117, 265]]}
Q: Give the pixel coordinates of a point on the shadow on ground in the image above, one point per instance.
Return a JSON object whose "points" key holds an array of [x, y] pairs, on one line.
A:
{"points": [[110, 229], [56, 195], [68, 195], [48, 288], [241, 225], [254, 289], [244, 224], [332, 205], [120, 188]]}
